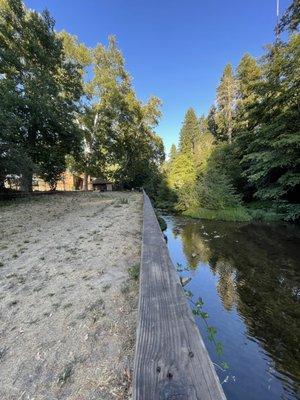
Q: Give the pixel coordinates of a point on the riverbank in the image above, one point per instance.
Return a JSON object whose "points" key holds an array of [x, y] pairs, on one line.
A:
{"points": [[241, 214], [253, 212], [68, 303]]}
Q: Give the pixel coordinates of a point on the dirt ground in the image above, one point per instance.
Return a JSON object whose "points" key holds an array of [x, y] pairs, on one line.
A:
{"points": [[68, 298]]}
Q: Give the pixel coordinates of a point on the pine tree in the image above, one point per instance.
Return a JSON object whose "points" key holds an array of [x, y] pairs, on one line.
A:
{"points": [[189, 132], [173, 152], [203, 125], [212, 123], [248, 76], [291, 18], [226, 97]]}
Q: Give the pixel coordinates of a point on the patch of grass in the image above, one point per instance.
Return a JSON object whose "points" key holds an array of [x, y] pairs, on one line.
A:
{"points": [[123, 200], [96, 309], [119, 202], [125, 288], [106, 287], [3, 351], [1, 264], [230, 214], [134, 271], [259, 214], [15, 255], [66, 374]]}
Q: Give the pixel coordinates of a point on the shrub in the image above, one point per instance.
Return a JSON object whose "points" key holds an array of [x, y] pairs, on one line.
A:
{"points": [[237, 214]]}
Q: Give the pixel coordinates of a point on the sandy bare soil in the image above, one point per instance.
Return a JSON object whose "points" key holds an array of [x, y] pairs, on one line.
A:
{"points": [[68, 305]]}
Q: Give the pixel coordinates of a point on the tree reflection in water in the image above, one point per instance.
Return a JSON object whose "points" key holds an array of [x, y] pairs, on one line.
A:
{"points": [[257, 270]]}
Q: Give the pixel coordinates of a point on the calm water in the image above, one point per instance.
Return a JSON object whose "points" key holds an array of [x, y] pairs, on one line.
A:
{"points": [[249, 279]]}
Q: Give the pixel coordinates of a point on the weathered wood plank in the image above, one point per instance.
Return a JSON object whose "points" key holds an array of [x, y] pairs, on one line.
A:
{"points": [[171, 361]]}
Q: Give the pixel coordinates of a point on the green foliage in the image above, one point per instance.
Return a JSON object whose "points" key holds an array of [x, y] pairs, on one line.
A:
{"points": [[123, 200], [291, 18], [237, 214], [40, 88], [162, 223], [270, 146], [211, 330], [259, 214], [226, 93], [163, 196], [119, 134], [173, 152], [257, 114], [181, 171], [189, 132], [42, 120], [203, 150], [248, 76], [134, 271]]}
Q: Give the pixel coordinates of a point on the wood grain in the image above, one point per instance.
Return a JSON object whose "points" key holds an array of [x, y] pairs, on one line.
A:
{"points": [[171, 361]]}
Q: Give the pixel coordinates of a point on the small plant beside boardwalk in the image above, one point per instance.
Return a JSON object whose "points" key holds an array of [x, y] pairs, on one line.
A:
{"points": [[134, 272]]}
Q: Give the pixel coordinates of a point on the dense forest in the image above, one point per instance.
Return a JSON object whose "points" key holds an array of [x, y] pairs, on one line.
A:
{"points": [[241, 161], [64, 105]]}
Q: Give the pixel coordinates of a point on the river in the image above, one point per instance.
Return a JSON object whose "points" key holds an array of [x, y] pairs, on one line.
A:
{"points": [[248, 277]]}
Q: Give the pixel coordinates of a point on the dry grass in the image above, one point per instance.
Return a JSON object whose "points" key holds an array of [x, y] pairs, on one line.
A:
{"points": [[67, 303]]}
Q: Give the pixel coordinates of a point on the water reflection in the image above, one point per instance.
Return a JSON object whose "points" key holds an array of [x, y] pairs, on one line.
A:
{"points": [[248, 276]]}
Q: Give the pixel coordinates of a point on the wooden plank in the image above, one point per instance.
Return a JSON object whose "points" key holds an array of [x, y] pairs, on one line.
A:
{"points": [[171, 361]]}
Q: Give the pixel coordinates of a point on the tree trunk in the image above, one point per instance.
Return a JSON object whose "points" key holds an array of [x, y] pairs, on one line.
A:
{"points": [[85, 182], [26, 182], [2, 184], [230, 135]]}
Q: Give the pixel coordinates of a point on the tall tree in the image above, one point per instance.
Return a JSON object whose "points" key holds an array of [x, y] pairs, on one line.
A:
{"points": [[189, 132], [124, 125], [291, 18], [226, 96], [248, 76], [212, 124], [46, 88], [88, 161], [203, 125], [271, 159], [173, 152]]}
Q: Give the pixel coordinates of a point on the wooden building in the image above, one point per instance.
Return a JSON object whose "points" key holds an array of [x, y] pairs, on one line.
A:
{"points": [[102, 185], [67, 182]]}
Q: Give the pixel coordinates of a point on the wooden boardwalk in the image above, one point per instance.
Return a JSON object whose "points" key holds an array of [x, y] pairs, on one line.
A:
{"points": [[171, 361]]}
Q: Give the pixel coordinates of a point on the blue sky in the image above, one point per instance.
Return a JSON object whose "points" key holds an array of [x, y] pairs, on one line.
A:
{"points": [[174, 49]]}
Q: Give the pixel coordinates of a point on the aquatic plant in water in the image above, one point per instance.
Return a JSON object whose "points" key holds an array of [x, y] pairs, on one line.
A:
{"points": [[197, 310]]}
